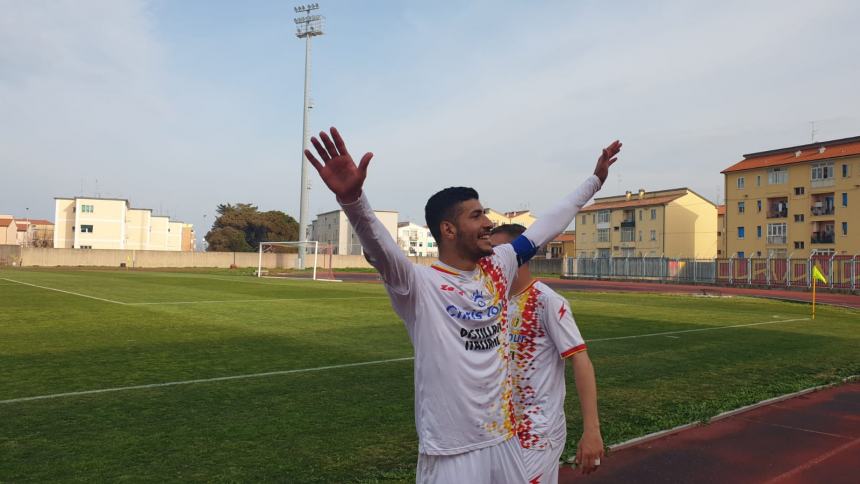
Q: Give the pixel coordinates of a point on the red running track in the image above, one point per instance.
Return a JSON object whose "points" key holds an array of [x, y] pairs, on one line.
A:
{"points": [[813, 438]]}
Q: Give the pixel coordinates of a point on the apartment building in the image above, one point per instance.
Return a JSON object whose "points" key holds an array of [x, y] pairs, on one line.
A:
{"points": [[521, 217], [416, 240], [794, 201], [677, 223], [110, 223], [333, 228]]}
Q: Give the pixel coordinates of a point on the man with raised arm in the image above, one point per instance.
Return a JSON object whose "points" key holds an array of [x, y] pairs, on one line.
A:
{"points": [[543, 335], [455, 314]]}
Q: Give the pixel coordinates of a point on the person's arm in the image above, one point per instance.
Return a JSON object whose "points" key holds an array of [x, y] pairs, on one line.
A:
{"points": [[559, 217], [590, 448], [345, 180]]}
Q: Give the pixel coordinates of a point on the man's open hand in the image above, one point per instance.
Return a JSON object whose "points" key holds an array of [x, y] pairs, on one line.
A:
{"points": [[589, 451], [607, 158], [337, 169]]}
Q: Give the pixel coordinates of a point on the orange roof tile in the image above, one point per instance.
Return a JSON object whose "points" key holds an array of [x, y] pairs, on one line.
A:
{"points": [[787, 156], [721, 209], [635, 202], [22, 226], [5, 222], [565, 238]]}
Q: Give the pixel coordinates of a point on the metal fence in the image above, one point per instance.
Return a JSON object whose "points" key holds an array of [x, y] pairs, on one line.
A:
{"points": [[841, 271]]}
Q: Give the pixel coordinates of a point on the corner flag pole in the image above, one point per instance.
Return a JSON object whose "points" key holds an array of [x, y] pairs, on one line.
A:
{"points": [[814, 280], [816, 276]]}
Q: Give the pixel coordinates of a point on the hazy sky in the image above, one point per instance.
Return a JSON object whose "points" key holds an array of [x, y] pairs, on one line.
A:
{"points": [[181, 105]]}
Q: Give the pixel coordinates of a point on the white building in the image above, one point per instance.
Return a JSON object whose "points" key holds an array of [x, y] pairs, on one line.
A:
{"points": [[334, 228], [416, 240]]}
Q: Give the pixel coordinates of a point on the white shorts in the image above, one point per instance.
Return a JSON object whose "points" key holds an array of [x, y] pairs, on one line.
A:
{"points": [[542, 465], [498, 464]]}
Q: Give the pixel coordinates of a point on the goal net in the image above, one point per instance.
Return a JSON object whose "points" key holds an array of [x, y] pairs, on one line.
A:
{"points": [[301, 260]]}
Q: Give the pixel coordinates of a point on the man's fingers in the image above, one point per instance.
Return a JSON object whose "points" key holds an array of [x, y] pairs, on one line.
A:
{"points": [[332, 150], [365, 160], [322, 151], [338, 141], [613, 160], [313, 160]]}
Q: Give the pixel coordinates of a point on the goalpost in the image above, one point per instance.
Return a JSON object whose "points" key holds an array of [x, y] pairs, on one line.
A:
{"points": [[278, 259]]}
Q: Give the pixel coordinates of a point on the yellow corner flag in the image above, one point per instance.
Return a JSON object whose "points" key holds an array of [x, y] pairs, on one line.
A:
{"points": [[817, 275]]}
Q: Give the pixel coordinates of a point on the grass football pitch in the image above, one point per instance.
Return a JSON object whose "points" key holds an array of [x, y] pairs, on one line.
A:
{"points": [[208, 376]]}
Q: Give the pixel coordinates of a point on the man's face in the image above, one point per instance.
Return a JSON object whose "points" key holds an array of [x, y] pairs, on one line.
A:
{"points": [[473, 230]]}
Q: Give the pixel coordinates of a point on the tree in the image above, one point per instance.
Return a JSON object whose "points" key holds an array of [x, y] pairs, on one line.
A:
{"points": [[241, 228]]}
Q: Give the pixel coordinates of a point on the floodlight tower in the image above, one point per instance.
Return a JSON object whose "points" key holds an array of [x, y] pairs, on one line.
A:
{"points": [[307, 26]]}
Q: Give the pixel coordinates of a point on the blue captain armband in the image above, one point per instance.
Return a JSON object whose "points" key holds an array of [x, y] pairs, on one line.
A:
{"points": [[524, 249]]}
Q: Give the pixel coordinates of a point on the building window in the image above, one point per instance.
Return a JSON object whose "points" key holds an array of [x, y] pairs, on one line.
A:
{"points": [[798, 217], [776, 233], [653, 214], [799, 245], [777, 176], [844, 228], [845, 172], [741, 207], [603, 235], [602, 253], [740, 232], [758, 205], [799, 190], [740, 254], [653, 235], [640, 232], [758, 231], [822, 171], [86, 229], [844, 199], [758, 180], [594, 218], [640, 215], [740, 183], [86, 209], [583, 220], [603, 217]]}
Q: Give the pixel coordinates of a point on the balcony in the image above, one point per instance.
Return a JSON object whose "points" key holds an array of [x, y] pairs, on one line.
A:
{"points": [[628, 224], [822, 204], [822, 238], [776, 239], [777, 207]]}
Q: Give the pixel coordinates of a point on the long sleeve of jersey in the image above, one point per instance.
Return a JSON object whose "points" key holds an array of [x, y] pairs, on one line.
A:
{"points": [[555, 220], [380, 249]]}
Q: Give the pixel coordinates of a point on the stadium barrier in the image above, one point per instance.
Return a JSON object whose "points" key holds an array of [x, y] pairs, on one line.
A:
{"points": [[841, 271], [13, 255]]}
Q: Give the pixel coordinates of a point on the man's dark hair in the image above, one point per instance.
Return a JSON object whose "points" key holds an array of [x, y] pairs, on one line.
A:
{"points": [[444, 205], [514, 230]]}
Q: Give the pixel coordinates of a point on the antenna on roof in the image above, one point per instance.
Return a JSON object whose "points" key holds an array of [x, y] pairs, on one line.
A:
{"points": [[812, 132]]}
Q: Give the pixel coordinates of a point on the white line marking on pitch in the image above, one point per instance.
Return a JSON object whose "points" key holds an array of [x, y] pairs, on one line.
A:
{"points": [[303, 370], [696, 330], [202, 380], [67, 292], [254, 300]]}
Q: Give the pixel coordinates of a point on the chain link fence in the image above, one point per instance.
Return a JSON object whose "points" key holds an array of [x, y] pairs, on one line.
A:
{"points": [[841, 271]]}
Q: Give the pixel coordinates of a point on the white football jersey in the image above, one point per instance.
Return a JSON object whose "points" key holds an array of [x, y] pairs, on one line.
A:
{"points": [[542, 333]]}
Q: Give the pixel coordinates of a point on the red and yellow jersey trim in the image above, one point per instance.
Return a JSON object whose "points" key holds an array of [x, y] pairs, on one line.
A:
{"points": [[574, 350], [446, 271]]}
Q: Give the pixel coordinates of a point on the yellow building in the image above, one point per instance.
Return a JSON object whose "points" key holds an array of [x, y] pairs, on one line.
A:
{"points": [[677, 223], [796, 201], [721, 231], [563, 246], [521, 217], [109, 223]]}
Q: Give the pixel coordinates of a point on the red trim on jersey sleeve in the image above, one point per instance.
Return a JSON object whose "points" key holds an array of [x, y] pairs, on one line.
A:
{"points": [[574, 350]]}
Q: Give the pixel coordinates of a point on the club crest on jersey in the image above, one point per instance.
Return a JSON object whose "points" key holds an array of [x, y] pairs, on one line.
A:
{"points": [[479, 298]]}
